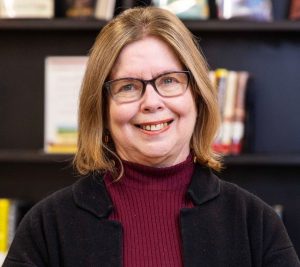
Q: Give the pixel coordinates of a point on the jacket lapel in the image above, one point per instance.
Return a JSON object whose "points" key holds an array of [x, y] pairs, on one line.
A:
{"points": [[104, 245], [204, 185], [196, 230], [91, 195]]}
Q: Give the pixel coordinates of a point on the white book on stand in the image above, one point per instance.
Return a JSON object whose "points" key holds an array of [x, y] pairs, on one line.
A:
{"points": [[27, 9], [63, 79]]}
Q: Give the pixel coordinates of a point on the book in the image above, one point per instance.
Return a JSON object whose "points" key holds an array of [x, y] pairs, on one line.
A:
{"points": [[63, 78], [259, 10], [294, 13], [231, 87], [229, 110], [105, 9], [128, 4], [79, 8], [221, 84], [11, 213], [4, 215], [239, 113], [27, 9], [280, 9], [186, 9]]}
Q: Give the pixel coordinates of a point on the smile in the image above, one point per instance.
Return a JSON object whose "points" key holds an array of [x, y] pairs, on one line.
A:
{"points": [[155, 126]]}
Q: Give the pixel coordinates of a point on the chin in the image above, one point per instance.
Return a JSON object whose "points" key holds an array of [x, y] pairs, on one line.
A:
{"points": [[159, 158], [156, 155]]}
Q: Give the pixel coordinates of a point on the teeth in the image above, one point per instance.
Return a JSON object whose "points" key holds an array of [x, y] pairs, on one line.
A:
{"points": [[154, 127]]}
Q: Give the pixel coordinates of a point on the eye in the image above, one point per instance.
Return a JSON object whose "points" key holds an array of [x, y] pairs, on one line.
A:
{"points": [[168, 80], [126, 88]]}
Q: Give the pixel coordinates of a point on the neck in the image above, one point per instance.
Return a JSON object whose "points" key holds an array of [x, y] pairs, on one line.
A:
{"points": [[164, 178], [154, 161]]}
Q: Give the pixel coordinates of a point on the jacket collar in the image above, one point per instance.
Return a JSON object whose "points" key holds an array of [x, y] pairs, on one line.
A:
{"points": [[90, 194], [204, 185]]}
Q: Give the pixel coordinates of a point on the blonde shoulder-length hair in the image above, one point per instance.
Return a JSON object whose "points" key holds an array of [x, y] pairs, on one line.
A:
{"points": [[93, 153]]}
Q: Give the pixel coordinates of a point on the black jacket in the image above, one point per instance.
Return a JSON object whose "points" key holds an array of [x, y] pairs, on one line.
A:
{"points": [[228, 227]]}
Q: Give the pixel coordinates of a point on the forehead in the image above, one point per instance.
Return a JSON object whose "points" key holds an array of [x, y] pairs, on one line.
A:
{"points": [[145, 58]]}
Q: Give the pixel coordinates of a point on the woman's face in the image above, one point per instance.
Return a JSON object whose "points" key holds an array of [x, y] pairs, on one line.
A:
{"points": [[167, 143]]}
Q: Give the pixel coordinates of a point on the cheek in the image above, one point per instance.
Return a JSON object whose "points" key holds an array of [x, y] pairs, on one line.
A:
{"points": [[186, 107], [189, 115], [119, 116]]}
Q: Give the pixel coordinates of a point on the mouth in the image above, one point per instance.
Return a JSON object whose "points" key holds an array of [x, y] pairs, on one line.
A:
{"points": [[155, 126]]}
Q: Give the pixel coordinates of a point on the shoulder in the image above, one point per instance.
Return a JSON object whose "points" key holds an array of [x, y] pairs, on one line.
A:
{"points": [[236, 194], [86, 195], [58, 202], [58, 199], [207, 187], [235, 214], [264, 226], [36, 228], [249, 204], [45, 211]]}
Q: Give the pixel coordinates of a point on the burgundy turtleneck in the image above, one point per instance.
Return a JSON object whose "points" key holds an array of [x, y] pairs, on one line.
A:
{"points": [[147, 202]]}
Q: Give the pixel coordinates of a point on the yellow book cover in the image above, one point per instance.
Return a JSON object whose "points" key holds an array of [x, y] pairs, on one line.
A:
{"points": [[4, 216], [61, 149]]}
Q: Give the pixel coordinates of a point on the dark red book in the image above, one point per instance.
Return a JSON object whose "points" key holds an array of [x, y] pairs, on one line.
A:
{"points": [[295, 10]]}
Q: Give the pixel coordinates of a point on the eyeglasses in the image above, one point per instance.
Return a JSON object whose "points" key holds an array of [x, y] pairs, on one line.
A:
{"points": [[131, 89]]}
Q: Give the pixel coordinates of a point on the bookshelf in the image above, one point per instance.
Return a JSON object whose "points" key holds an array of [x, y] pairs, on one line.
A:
{"points": [[213, 25], [270, 166]]}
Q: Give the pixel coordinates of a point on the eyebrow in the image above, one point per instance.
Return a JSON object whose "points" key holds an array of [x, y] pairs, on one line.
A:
{"points": [[154, 75]]}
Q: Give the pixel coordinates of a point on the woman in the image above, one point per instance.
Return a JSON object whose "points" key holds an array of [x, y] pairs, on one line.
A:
{"points": [[147, 119]]}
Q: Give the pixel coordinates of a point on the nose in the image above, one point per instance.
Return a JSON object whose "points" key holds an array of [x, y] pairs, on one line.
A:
{"points": [[151, 101]]}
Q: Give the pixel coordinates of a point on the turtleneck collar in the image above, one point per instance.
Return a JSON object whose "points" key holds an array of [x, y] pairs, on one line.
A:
{"points": [[151, 178]]}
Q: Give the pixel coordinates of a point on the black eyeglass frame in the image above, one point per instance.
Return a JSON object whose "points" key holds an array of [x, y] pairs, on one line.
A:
{"points": [[151, 81]]}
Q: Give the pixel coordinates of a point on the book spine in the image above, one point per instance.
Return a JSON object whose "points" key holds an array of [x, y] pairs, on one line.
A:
{"points": [[4, 224], [221, 85], [105, 9], [127, 4], [294, 13], [228, 114], [231, 88], [13, 213], [239, 113]]}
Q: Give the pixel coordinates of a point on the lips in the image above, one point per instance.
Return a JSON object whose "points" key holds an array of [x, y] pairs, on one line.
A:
{"points": [[154, 126]]}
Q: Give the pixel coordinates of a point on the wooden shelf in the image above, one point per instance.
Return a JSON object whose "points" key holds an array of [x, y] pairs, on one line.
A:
{"points": [[58, 24], [263, 160], [23, 156], [15, 156], [243, 26], [194, 25]]}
